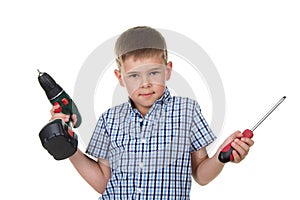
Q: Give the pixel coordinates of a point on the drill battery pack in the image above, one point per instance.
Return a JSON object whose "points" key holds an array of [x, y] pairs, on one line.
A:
{"points": [[58, 139]]}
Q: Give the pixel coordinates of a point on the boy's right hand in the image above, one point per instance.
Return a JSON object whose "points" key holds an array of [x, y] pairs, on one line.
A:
{"points": [[60, 115]]}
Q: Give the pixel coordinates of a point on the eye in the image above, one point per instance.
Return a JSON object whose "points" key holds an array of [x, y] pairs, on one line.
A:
{"points": [[133, 75], [153, 73]]}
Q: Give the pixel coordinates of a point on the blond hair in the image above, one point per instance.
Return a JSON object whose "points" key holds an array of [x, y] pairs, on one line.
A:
{"points": [[143, 53]]}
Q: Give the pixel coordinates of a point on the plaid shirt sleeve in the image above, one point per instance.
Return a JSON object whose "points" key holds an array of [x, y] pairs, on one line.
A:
{"points": [[100, 142], [201, 134]]}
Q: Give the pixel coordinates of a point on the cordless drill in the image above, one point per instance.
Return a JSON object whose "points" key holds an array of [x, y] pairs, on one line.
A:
{"points": [[57, 136]]}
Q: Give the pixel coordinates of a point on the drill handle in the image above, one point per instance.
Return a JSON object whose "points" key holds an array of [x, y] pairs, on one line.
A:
{"points": [[75, 111], [67, 106]]}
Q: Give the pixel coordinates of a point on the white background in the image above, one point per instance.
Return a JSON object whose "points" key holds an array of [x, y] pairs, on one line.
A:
{"points": [[255, 46]]}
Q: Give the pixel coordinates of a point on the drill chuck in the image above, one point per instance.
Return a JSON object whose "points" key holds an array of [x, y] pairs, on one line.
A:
{"points": [[51, 88]]}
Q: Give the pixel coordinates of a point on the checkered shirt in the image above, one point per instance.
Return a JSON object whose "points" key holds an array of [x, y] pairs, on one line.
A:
{"points": [[150, 156]]}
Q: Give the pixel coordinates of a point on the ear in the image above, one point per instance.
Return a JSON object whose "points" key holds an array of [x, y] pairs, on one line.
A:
{"points": [[169, 70], [119, 77]]}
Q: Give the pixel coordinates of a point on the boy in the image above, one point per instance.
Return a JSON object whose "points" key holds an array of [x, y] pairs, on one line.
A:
{"points": [[148, 147]]}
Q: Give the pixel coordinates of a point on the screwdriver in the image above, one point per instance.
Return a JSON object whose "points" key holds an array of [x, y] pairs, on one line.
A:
{"points": [[226, 153]]}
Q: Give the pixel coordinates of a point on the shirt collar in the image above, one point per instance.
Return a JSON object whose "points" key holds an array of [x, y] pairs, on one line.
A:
{"points": [[164, 99]]}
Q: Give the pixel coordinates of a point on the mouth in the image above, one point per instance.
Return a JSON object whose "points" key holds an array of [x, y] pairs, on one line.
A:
{"points": [[146, 95]]}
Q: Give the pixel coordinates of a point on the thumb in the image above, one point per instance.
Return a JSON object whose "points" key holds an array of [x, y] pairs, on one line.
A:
{"points": [[74, 119], [236, 134]]}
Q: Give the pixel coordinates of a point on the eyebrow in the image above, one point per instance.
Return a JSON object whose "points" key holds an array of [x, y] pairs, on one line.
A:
{"points": [[132, 72], [156, 68], [135, 72]]}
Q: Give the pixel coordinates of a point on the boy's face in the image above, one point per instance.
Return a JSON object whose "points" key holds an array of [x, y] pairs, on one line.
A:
{"points": [[144, 80]]}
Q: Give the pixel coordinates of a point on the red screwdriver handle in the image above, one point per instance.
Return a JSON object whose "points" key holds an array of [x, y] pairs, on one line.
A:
{"points": [[226, 153]]}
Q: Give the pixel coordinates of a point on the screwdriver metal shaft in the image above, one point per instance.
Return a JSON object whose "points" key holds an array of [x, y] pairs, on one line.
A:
{"points": [[267, 115]]}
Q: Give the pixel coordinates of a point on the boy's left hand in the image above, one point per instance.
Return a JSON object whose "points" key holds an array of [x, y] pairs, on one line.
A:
{"points": [[240, 144]]}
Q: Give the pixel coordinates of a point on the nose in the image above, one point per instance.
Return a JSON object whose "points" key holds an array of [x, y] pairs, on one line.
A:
{"points": [[146, 85], [145, 82]]}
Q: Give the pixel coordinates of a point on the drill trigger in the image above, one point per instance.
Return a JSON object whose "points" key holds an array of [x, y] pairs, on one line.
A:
{"points": [[58, 110]]}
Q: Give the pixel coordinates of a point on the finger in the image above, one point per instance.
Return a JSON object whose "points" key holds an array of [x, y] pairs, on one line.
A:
{"points": [[240, 147], [52, 111], [236, 157], [61, 116], [243, 145], [57, 116], [74, 118], [248, 141], [231, 137], [237, 134], [67, 118]]}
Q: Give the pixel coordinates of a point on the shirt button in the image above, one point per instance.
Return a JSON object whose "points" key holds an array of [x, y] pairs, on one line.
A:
{"points": [[141, 120], [141, 165], [139, 190], [143, 140]]}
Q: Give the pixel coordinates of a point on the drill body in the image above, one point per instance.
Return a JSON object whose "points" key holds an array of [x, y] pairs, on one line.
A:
{"points": [[57, 136]]}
